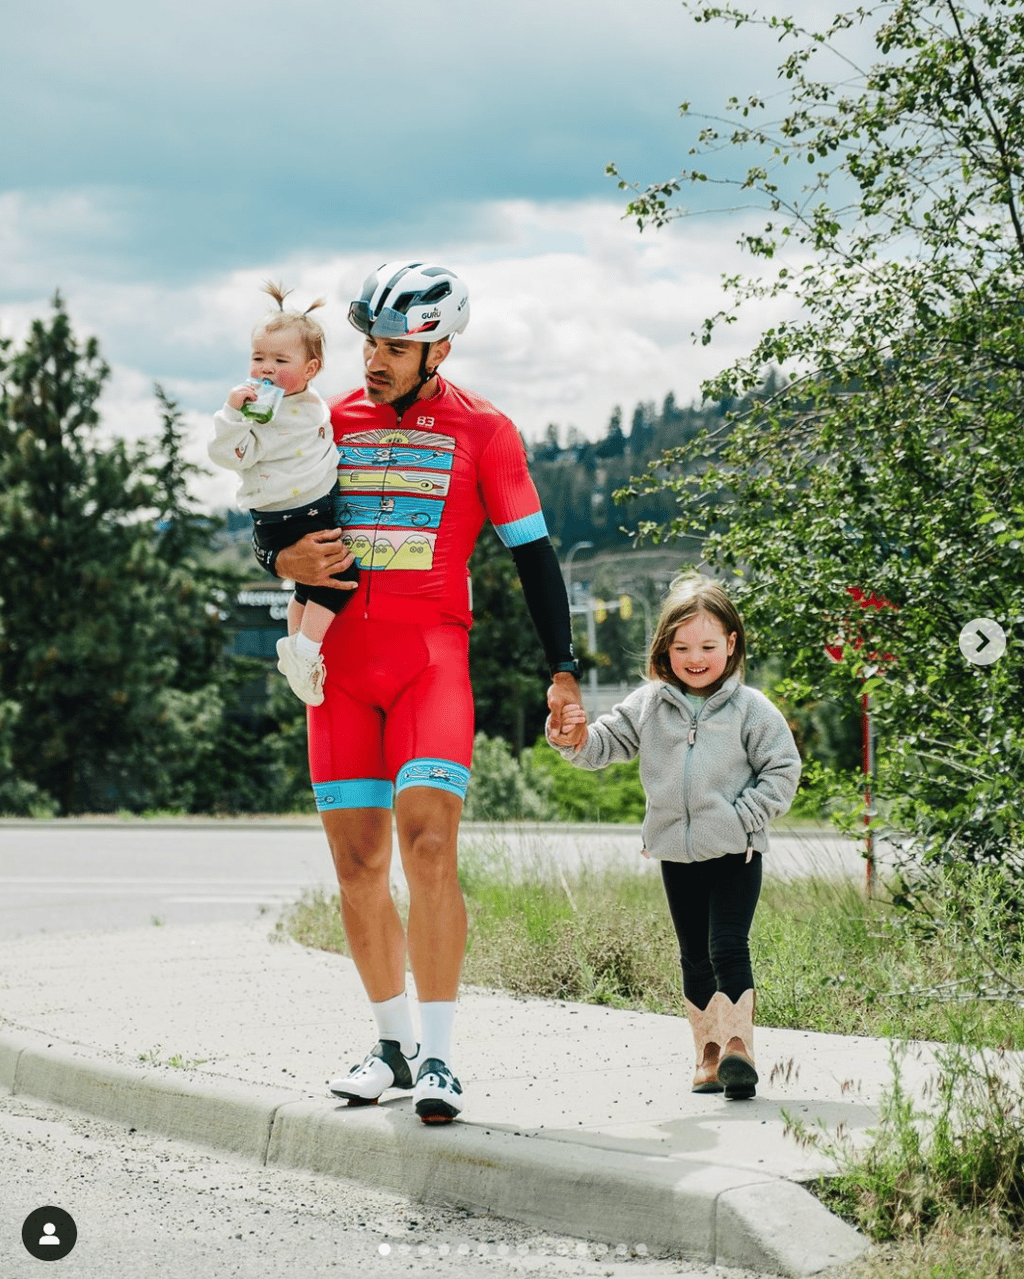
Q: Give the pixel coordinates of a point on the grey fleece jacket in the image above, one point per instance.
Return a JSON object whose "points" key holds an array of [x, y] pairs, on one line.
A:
{"points": [[713, 778]]}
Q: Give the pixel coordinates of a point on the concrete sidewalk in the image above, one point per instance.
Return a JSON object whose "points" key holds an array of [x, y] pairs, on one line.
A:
{"points": [[578, 1118]]}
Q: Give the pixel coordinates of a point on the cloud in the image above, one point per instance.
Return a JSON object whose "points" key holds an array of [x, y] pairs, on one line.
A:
{"points": [[574, 313], [167, 140], [169, 157]]}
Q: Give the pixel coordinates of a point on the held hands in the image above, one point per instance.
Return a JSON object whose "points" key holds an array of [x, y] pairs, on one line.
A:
{"points": [[315, 558], [571, 727], [563, 694]]}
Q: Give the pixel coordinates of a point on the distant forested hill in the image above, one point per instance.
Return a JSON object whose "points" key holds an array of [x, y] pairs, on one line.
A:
{"points": [[576, 477]]}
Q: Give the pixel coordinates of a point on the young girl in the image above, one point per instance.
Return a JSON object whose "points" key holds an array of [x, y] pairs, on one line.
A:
{"points": [[717, 763], [289, 470]]}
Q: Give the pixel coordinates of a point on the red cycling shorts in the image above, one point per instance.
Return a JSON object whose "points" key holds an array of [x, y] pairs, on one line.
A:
{"points": [[397, 712]]}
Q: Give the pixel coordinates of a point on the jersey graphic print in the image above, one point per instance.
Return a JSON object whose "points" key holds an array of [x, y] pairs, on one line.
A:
{"points": [[393, 488]]}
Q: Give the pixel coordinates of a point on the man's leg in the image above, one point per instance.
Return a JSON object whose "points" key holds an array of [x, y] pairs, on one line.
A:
{"points": [[428, 825], [360, 843]]}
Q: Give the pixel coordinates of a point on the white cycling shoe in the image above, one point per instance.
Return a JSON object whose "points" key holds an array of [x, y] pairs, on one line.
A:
{"points": [[384, 1067], [437, 1097]]}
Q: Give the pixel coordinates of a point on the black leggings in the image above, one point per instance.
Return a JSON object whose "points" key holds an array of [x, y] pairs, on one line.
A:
{"points": [[712, 905]]}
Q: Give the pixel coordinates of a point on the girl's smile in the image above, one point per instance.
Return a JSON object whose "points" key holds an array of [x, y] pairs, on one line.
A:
{"points": [[700, 651]]}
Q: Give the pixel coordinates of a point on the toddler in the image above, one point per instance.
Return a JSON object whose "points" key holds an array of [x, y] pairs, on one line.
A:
{"points": [[289, 475]]}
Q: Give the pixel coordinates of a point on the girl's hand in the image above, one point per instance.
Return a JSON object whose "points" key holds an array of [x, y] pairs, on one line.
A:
{"points": [[572, 730], [241, 395]]}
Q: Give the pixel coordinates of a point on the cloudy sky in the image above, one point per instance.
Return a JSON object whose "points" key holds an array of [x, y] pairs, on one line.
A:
{"points": [[161, 160]]}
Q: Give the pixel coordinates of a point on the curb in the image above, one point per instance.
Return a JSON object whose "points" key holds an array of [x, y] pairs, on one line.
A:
{"points": [[720, 1216]]}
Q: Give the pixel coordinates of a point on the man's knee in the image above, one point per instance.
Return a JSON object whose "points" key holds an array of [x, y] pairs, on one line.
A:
{"points": [[429, 859], [428, 826], [360, 844]]}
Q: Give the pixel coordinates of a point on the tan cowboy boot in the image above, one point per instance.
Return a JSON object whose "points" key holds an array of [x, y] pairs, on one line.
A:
{"points": [[736, 1065], [704, 1025]]}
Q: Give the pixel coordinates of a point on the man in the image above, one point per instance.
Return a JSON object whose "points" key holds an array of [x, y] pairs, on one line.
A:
{"points": [[422, 464]]}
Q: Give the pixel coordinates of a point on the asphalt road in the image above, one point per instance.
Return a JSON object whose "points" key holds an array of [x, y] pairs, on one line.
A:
{"points": [[83, 876]]}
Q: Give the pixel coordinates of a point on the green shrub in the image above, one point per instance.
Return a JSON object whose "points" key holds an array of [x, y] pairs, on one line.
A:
{"points": [[504, 789], [961, 1153], [612, 795]]}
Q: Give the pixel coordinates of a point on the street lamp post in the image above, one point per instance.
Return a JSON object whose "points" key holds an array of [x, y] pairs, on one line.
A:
{"points": [[577, 546], [587, 607]]}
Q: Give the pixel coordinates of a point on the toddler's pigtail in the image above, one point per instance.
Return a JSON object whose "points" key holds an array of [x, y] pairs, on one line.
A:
{"points": [[313, 305], [277, 291]]}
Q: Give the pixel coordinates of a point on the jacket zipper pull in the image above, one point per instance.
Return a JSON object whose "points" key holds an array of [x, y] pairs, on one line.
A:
{"points": [[750, 847], [693, 734]]}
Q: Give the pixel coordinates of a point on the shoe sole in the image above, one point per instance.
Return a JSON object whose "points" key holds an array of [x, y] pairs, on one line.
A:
{"points": [[435, 1112], [740, 1092], [739, 1078]]}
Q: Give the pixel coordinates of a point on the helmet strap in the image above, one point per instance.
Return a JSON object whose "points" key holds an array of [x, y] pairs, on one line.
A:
{"points": [[407, 400]]}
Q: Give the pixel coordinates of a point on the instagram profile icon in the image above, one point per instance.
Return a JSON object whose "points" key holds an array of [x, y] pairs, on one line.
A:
{"points": [[49, 1233]]}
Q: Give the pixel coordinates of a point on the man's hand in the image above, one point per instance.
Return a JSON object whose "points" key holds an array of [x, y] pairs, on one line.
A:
{"points": [[564, 692], [315, 558], [573, 728]]}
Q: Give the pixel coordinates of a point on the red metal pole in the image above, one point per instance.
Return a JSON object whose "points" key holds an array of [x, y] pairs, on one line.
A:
{"points": [[868, 759]]}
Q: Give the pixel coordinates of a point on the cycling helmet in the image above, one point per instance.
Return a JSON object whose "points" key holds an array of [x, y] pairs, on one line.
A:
{"points": [[413, 301]]}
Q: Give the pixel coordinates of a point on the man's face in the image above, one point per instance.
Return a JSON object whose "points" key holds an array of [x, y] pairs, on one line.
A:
{"points": [[392, 366]]}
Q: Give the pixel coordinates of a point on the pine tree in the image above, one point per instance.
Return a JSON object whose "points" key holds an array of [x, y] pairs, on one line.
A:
{"points": [[89, 607]]}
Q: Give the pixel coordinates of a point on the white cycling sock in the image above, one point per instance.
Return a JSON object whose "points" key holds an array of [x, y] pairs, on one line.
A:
{"points": [[436, 1020], [394, 1021]]}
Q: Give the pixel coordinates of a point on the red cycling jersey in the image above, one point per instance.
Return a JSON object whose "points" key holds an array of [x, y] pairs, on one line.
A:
{"points": [[415, 493]]}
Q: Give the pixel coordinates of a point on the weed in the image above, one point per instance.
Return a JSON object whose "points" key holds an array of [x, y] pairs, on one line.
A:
{"points": [[176, 1060], [960, 1154]]}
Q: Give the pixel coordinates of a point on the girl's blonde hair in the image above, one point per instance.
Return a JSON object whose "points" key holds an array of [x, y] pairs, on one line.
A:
{"points": [[310, 333], [689, 595]]}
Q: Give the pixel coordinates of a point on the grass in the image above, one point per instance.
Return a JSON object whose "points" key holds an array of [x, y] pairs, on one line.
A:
{"points": [[826, 958], [943, 1191]]}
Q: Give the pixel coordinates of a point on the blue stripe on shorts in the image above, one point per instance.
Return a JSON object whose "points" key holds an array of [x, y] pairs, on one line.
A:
{"points": [[442, 774], [361, 792]]}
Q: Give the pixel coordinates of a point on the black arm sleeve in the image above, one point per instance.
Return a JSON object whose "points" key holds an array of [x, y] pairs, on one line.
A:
{"points": [[538, 569]]}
